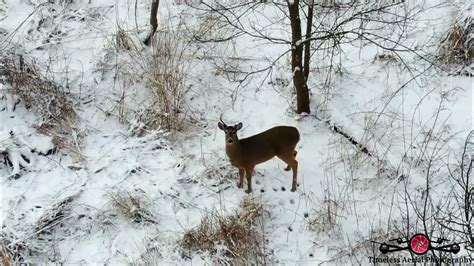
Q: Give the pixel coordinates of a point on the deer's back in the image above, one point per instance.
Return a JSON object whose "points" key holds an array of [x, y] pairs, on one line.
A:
{"points": [[269, 143]]}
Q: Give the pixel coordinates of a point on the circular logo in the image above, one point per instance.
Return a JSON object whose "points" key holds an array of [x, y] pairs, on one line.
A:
{"points": [[419, 244], [384, 248]]}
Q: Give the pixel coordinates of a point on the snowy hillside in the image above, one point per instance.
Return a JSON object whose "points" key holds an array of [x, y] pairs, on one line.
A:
{"points": [[110, 150]]}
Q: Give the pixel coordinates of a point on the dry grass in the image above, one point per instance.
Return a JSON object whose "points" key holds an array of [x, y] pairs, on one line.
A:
{"points": [[20, 246], [167, 82], [250, 210], [368, 246], [210, 27], [122, 40], [5, 258], [132, 206], [55, 215], [385, 56], [150, 257], [457, 47], [44, 97], [243, 243], [326, 218], [163, 72], [12, 250], [218, 170]]}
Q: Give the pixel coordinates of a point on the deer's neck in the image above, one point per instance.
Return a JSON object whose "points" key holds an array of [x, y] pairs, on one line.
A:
{"points": [[233, 151]]}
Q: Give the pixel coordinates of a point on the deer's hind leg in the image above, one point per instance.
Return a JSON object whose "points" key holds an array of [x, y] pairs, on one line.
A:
{"points": [[295, 173], [293, 164], [288, 167]]}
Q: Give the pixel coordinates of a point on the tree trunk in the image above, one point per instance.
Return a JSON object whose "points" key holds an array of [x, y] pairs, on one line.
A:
{"points": [[307, 45], [299, 81], [153, 21]]}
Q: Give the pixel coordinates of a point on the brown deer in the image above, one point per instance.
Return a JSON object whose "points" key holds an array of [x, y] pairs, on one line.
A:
{"points": [[245, 153]]}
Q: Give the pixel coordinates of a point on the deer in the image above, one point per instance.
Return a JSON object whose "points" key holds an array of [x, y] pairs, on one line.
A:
{"points": [[245, 153]]}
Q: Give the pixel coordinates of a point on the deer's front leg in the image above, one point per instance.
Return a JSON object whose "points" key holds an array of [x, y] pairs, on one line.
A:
{"points": [[249, 171], [241, 175]]}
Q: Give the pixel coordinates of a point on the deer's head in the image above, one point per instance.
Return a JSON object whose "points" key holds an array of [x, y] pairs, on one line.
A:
{"points": [[230, 132]]}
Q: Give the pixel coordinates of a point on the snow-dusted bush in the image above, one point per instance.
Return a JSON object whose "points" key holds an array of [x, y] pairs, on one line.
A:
{"points": [[326, 218], [458, 45], [33, 240], [123, 41], [132, 206], [55, 215], [153, 80], [44, 97], [12, 250], [19, 142], [150, 257], [210, 27], [16, 152], [230, 238], [166, 82]]}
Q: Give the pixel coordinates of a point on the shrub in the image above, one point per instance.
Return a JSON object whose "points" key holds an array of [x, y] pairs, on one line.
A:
{"points": [[237, 233], [43, 96], [458, 45], [132, 206], [162, 71]]}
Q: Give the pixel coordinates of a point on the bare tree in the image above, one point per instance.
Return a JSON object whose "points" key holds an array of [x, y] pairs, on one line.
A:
{"points": [[458, 214], [153, 21], [307, 47], [327, 27], [299, 75], [444, 213]]}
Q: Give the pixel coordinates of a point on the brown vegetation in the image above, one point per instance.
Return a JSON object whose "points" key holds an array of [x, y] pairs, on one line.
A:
{"points": [[44, 97], [242, 241]]}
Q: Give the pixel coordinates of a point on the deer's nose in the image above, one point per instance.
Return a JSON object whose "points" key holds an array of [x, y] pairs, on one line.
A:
{"points": [[229, 140]]}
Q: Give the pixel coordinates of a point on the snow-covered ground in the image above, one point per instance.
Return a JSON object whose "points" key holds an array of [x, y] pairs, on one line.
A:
{"points": [[344, 200]]}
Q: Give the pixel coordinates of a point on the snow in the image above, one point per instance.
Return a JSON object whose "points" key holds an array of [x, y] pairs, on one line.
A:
{"points": [[183, 176]]}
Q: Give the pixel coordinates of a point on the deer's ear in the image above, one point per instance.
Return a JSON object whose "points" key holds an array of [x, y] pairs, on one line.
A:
{"points": [[238, 126], [221, 126]]}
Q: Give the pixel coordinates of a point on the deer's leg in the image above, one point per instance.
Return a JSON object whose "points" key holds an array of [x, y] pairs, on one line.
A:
{"points": [[288, 167], [241, 175], [249, 171], [295, 173], [293, 164]]}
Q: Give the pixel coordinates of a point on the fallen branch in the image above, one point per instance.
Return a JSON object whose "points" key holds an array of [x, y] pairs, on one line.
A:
{"points": [[351, 139]]}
